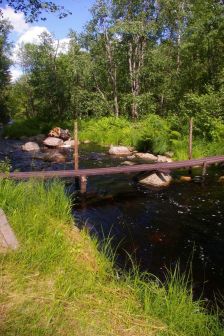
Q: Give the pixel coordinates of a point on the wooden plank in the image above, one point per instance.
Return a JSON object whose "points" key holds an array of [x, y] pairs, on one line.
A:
{"points": [[7, 237], [114, 170]]}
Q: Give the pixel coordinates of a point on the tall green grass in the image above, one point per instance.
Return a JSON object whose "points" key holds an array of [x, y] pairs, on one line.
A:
{"points": [[58, 283]]}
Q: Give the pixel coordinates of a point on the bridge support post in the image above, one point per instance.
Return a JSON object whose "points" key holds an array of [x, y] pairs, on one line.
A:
{"points": [[190, 143], [204, 170], [83, 184], [76, 146]]}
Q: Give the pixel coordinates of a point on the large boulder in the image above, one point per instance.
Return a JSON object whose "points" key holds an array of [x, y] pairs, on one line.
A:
{"points": [[119, 150], [60, 133], [53, 142], [146, 157], [31, 147], [156, 179]]}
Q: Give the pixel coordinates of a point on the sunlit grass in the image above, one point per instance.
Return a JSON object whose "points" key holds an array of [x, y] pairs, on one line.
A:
{"points": [[58, 283]]}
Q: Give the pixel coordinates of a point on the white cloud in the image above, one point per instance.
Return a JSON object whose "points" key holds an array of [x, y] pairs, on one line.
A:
{"points": [[32, 35], [15, 74], [16, 19], [63, 46]]}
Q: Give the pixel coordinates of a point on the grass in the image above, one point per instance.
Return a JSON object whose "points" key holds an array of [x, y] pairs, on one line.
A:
{"points": [[58, 283], [155, 134]]}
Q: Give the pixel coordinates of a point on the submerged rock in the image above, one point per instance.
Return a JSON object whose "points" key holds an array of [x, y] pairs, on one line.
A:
{"points": [[53, 142], [146, 157], [156, 180], [119, 150], [186, 178], [221, 179], [31, 147], [54, 156]]}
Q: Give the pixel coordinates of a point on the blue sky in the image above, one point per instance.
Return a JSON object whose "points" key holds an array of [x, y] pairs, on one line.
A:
{"points": [[80, 15], [25, 32]]}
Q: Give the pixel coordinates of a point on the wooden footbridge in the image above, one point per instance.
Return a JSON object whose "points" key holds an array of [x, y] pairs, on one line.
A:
{"points": [[82, 174]]}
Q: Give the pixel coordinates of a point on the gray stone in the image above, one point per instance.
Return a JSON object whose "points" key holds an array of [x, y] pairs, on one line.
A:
{"points": [[119, 150], [146, 157], [128, 163], [131, 157], [157, 180], [162, 158], [7, 237], [68, 144], [31, 146], [53, 142]]}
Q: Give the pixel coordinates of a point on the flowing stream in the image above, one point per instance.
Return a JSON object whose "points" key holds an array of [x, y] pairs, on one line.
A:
{"points": [[158, 228]]}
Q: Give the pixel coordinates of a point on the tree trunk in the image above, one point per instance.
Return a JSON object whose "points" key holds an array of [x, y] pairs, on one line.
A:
{"points": [[136, 60], [112, 71]]}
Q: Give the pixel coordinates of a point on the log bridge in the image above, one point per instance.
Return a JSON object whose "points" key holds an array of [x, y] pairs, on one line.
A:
{"points": [[82, 174]]}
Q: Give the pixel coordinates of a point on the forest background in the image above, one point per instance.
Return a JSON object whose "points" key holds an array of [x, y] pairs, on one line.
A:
{"points": [[135, 75]]}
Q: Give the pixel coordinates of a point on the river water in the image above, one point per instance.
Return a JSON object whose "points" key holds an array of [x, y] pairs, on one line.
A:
{"points": [[159, 228]]}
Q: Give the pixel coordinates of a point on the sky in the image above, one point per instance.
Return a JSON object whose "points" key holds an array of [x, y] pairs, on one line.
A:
{"points": [[28, 33]]}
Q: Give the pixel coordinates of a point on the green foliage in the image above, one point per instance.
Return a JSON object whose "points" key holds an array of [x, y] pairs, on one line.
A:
{"points": [[27, 127], [33, 9], [5, 63], [207, 110], [5, 166], [173, 303]]}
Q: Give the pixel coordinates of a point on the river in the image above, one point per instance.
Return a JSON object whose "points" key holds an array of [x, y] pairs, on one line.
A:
{"points": [[159, 228]]}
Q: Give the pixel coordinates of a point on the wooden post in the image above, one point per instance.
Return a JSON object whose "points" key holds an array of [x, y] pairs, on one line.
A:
{"points": [[190, 142], [83, 184], [204, 169], [76, 146], [190, 139]]}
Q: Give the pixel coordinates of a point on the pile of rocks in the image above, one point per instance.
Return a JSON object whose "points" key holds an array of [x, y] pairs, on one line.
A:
{"points": [[50, 148], [138, 157], [133, 157], [56, 138]]}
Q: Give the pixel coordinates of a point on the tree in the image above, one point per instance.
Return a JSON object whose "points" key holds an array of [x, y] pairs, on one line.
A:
{"points": [[103, 43], [33, 9], [4, 68]]}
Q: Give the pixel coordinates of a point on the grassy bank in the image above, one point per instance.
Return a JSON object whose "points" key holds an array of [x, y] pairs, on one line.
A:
{"points": [[156, 134], [58, 283]]}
